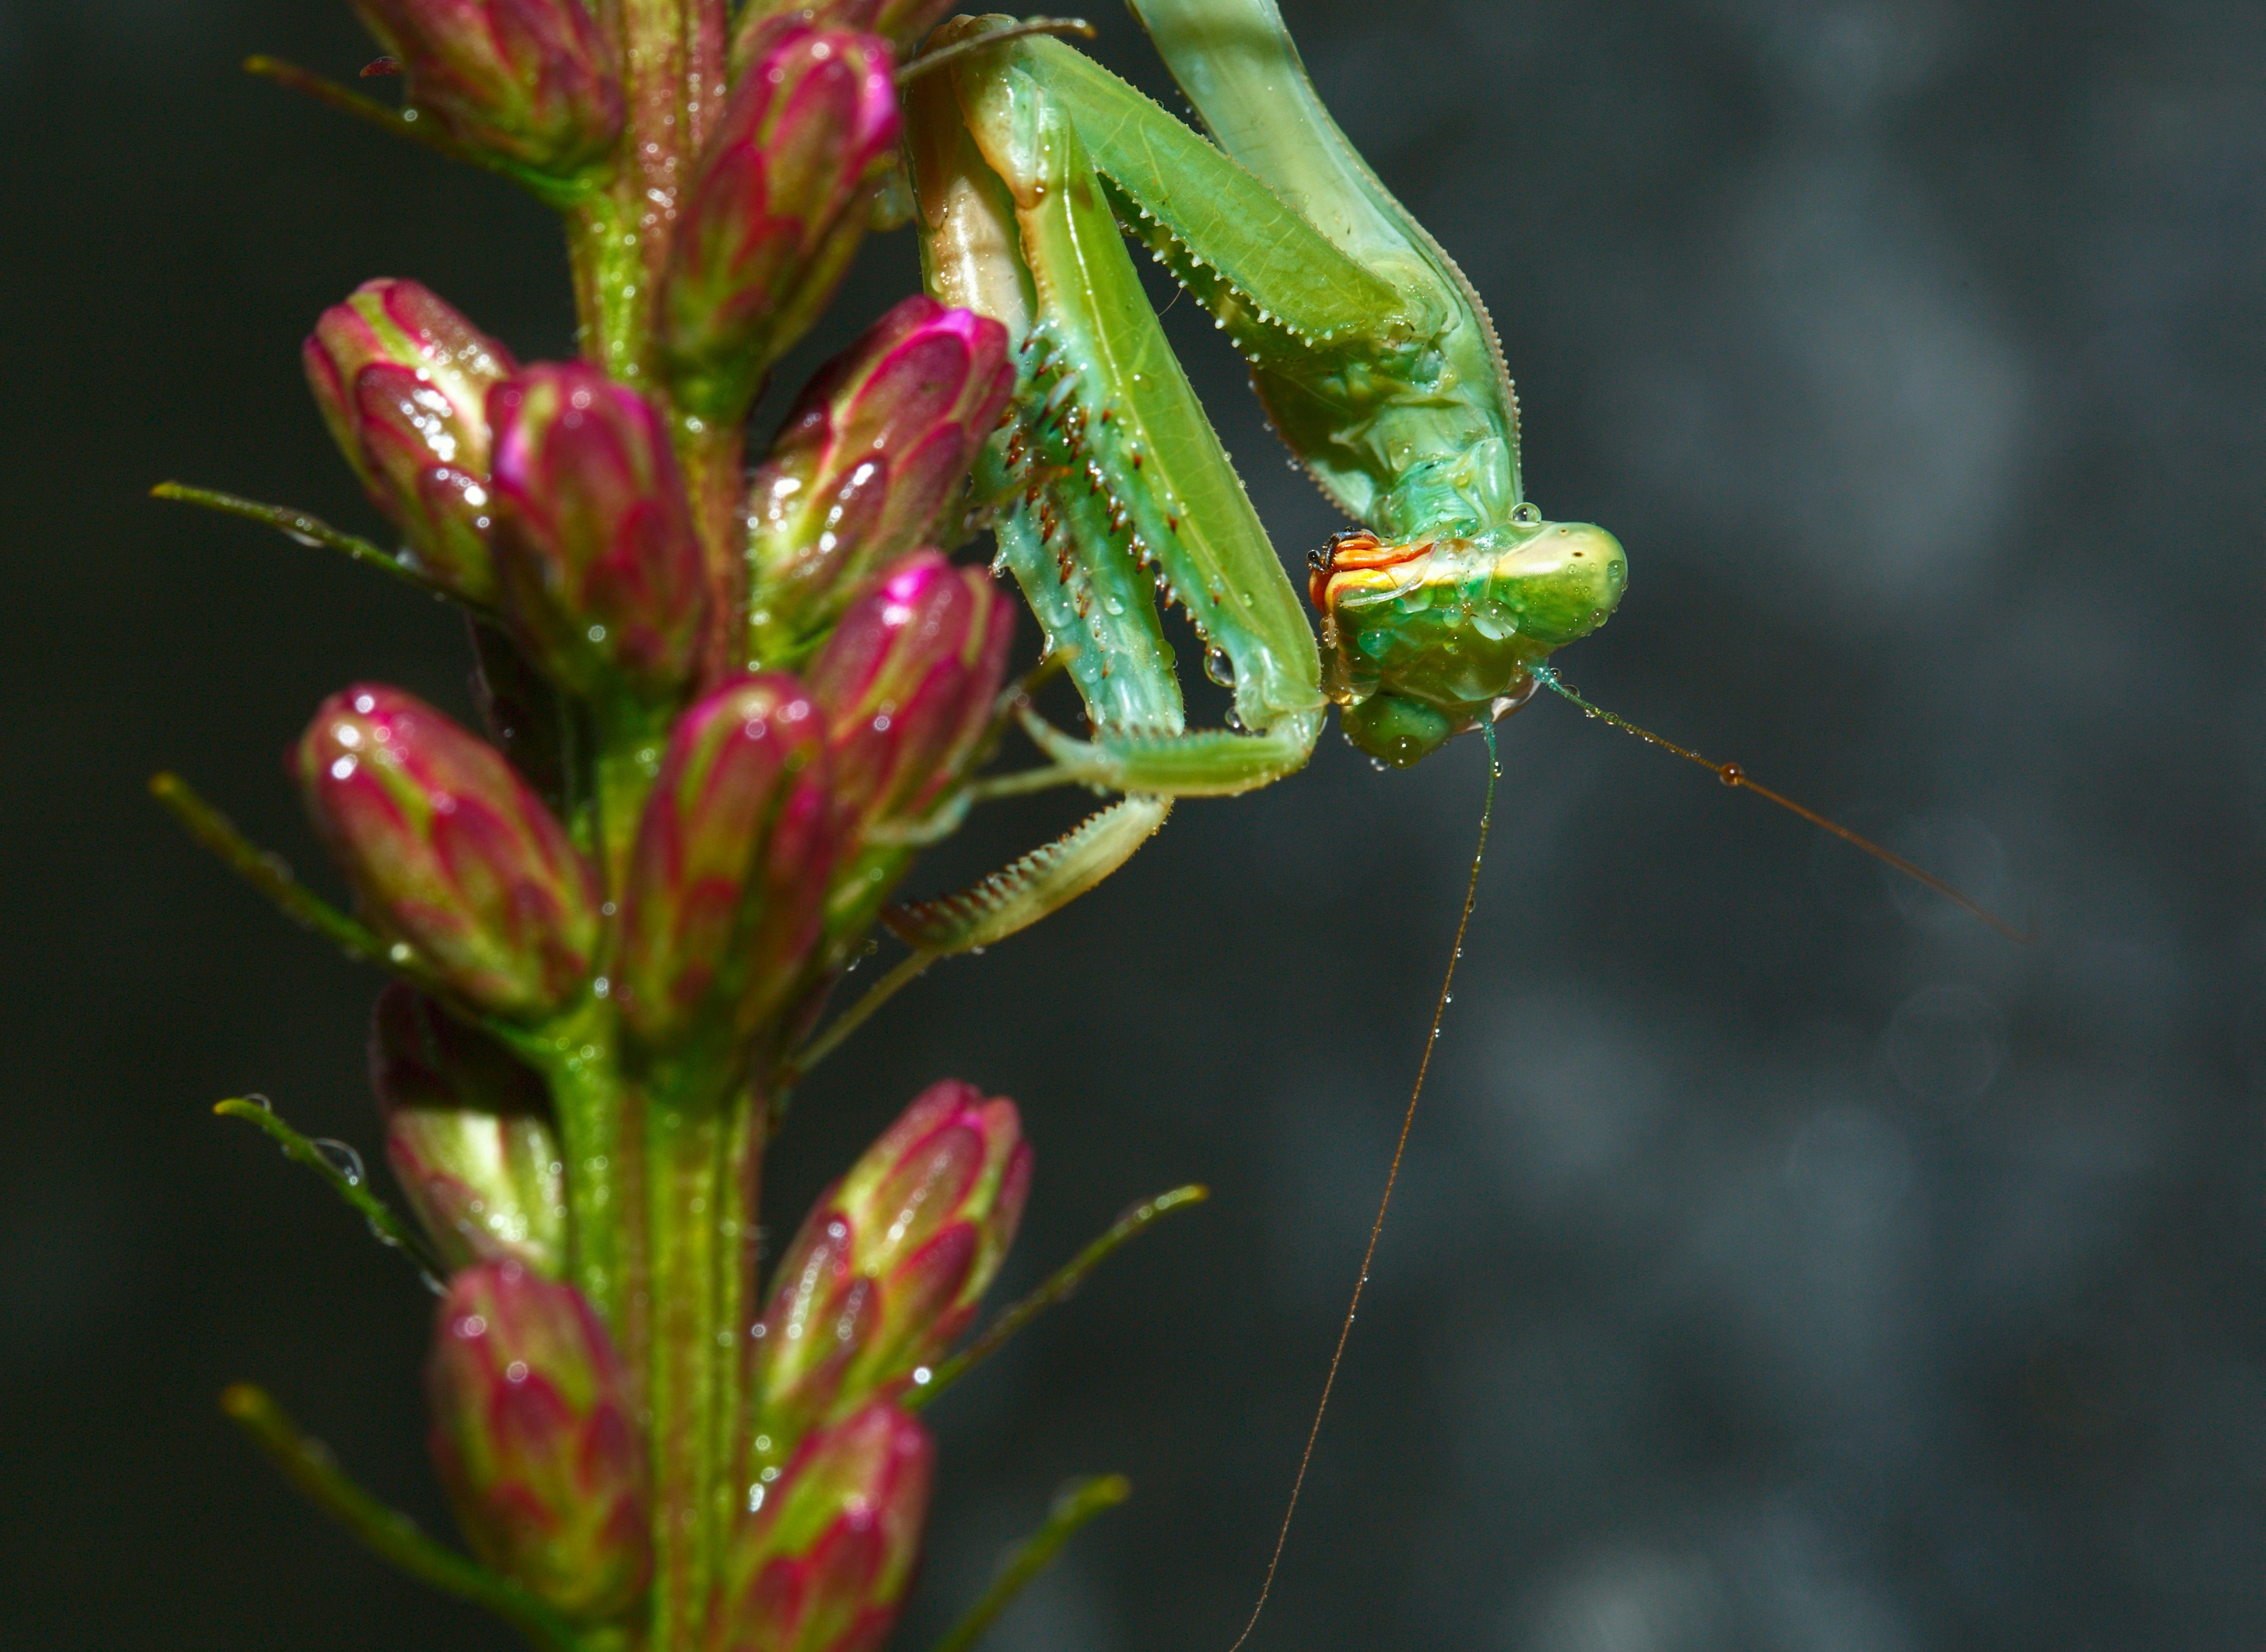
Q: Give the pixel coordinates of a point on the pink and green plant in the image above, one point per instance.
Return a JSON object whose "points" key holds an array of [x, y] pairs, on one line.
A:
{"points": [[723, 715]]}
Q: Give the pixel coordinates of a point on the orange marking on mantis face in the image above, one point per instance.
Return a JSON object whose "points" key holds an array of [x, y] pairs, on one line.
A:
{"points": [[1356, 548]]}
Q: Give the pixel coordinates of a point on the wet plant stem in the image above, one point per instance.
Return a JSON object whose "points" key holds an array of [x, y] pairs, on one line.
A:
{"points": [[611, 303], [603, 1141], [628, 738], [714, 460], [703, 1154]]}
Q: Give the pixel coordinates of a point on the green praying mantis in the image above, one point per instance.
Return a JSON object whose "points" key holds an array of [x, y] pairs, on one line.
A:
{"points": [[1031, 166]]}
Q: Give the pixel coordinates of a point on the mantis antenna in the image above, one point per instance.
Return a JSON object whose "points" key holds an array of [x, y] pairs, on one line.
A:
{"points": [[1732, 775], [1385, 1203], [988, 39]]}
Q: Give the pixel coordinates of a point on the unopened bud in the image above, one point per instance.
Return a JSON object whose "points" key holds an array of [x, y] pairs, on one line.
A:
{"points": [[908, 680], [534, 1437], [532, 83], [890, 1264], [826, 1550], [873, 462], [451, 855], [776, 210], [402, 380], [722, 902], [468, 1132], [595, 550]]}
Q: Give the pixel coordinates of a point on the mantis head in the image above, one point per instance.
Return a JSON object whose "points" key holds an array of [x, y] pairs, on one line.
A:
{"points": [[1421, 642]]}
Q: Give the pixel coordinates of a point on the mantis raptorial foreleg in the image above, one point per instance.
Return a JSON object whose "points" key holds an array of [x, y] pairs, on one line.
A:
{"points": [[1118, 471]]}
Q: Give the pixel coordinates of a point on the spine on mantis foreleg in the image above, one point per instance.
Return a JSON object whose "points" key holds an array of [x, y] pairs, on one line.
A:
{"points": [[1043, 881], [1071, 547]]}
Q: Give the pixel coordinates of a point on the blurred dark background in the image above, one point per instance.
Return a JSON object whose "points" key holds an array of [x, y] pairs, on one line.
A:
{"points": [[1782, 1261]]}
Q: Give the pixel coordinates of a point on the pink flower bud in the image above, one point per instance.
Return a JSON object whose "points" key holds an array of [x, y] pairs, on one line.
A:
{"points": [[534, 1438], [822, 1560], [530, 82], [450, 854], [723, 899], [888, 1267], [595, 549], [908, 681], [402, 381], [776, 207], [873, 462], [469, 1135]]}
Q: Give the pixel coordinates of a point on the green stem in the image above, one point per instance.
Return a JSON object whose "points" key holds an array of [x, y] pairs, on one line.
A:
{"points": [[602, 1141], [672, 57], [270, 876], [713, 457], [629, 738], [907, 971], [700, 1173], [310, 531], [611, 300], [307, 1462], [1078, 1503], [405, 123]]}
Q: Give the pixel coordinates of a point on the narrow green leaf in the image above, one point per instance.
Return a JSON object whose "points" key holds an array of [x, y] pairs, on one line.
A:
{"points": [[388, 1533], [389, 1229], [823, 1044], [268, 874], [409, 123], [310, 530], [405, 123], [1076, 1503], [1064, 1280]]}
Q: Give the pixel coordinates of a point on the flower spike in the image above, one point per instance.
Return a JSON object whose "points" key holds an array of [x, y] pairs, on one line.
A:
{"points": [[825, 1552], [900, 22], [888, 1267], [469, 1134], [908, 680], [723, 898]]}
